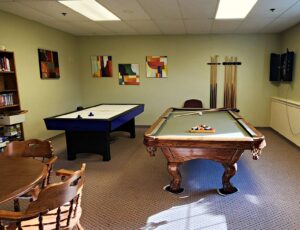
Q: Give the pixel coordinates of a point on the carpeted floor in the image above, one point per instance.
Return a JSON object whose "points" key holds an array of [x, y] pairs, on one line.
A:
{"points": [[126, 192]]}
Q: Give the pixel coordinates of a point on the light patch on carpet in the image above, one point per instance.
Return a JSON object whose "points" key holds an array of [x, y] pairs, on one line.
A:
{"points": [[195, 215], [253, 199]]}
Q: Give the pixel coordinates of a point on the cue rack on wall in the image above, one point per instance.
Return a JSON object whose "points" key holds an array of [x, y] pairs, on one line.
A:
{"points": [[230, 81]]}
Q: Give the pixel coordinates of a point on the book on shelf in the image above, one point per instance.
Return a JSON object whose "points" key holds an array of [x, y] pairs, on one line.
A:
{"points": [[6, 99], [4, 64]]}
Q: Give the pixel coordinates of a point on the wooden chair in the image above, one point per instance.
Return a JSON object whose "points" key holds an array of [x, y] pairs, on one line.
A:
{"points": [[57, 206], [35, 148], [193, 103]]}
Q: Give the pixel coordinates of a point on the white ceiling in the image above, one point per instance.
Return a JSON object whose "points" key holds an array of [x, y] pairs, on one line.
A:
{"points": [[146, 17]]}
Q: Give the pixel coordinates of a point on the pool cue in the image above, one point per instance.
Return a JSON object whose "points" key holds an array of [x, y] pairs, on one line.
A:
{"points": [[234, 83], [225, 82], [211, 81], [191, 113], [230, 83], [215, 80]]}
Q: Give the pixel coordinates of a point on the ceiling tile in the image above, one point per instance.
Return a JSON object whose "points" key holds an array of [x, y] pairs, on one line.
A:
{"points": [[18, 9], [281, 24], [225, 26], [161, 9], [171, 26], [262, 8], [125, 9], [118, 27], [293, 11], [55, 10], [144, 26], [195, 9], [91, 27], [253, 25], [63, 26], [198, 26]]}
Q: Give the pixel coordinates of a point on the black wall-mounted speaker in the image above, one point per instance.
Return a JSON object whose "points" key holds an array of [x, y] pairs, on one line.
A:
{"points": [[275, 68], [281, 66], [287, 62]]}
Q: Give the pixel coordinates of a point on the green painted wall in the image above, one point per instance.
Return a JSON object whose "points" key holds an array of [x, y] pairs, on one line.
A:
{"points": [[290, 40], [42, 98], [188, 72]]}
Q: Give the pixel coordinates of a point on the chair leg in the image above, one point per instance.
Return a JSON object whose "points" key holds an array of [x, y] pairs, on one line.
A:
{"points": [[17, 205], [79, 226]]}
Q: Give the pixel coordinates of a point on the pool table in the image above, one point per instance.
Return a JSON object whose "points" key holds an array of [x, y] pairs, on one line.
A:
{"points": [[233, 135], [88, 130]]}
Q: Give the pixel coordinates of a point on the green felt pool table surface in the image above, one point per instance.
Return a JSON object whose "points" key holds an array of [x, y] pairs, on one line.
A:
{"points": [[223, 122]]}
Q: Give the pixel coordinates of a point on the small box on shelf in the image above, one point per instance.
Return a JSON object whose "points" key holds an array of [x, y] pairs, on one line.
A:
{"points": [[12, 118]]}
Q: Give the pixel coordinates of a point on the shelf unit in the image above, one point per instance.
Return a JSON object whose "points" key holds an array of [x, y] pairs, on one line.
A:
{"points": [[9, 97]]}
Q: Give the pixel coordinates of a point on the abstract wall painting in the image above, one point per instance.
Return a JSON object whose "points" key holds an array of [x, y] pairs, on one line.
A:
{"points": [[129, 74], [101, 66], [48, 61], [156, 66]]}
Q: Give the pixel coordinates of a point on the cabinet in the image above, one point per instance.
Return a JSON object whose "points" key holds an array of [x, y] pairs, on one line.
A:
{"points": [[10, 129]]}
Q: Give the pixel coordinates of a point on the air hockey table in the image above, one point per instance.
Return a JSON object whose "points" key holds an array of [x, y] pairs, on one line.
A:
{"points": [[88, 130]]}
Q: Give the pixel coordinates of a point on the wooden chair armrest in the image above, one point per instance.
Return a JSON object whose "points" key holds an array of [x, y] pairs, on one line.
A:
{"points": [[64, 172], [10, 215], [51, 160], [18, 216]]}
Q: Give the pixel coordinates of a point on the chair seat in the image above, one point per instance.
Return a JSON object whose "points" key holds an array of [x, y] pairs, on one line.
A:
{"points": [[49, 219]]}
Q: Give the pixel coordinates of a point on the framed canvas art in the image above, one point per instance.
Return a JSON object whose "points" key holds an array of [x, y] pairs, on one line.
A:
{"points": [[48, 61], [101, 66], [129, 74], [156, 66]]}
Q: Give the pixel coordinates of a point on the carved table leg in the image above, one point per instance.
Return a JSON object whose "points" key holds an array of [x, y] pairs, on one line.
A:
{"points": [[228, 188], [173, 170]]}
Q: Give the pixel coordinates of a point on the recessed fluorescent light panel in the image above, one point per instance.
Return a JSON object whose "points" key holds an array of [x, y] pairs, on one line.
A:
{"points": [[234, 9], [90, 9]]}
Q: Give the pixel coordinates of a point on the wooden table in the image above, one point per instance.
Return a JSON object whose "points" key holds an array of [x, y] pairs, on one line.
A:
{"points": [[18, 175]]}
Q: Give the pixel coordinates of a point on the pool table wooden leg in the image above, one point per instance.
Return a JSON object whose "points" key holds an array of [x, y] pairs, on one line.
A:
{"points": [[176, 181], [230, 170]]}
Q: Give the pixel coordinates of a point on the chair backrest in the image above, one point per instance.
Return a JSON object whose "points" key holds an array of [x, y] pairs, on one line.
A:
{"points": [[193, 103], [33, 148], [57, 194], [29, 148], [58, 204]]}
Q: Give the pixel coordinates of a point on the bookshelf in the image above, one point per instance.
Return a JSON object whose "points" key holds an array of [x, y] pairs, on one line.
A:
{"points": [[11, 119]]}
